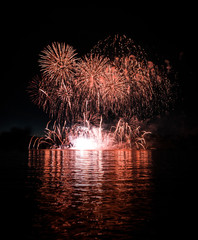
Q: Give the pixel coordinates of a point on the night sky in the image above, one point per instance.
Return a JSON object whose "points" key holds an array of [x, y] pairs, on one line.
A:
{"points": [[25, 32]]}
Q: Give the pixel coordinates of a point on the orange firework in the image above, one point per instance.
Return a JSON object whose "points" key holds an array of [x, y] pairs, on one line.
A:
{"points": [[118, 46], [58, 61], [39, 92], [89, 80], [115, 89], [138, 79], [90, 74]]}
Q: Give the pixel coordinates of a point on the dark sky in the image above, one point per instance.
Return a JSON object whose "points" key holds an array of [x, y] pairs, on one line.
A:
{"points": [[25, 32]]}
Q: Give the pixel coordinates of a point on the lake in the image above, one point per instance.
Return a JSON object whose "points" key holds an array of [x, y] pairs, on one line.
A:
{"points": [[109, 194]]}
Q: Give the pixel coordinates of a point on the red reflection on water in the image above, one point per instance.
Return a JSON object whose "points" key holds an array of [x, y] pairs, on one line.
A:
{"points": [[82, 191]]}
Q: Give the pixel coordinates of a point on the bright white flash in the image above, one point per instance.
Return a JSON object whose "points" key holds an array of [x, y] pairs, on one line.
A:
{"points": [[90, 139], [83, 143]]}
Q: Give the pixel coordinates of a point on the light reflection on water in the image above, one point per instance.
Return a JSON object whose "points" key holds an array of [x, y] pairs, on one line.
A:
{"points": [[90, 194]]}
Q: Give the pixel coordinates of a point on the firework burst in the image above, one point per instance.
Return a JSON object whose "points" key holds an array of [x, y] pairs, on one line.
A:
{"points": [[58, 61], [89, 81], [138, 81], [91, 74], [114, 89], [118, 46], [39, 92]]}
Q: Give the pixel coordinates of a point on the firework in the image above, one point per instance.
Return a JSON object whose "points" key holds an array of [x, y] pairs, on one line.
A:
{"points": [[88, 136], [118, 46], [91, 74], [114, 89], [115, 77], [58, 61], [88, 84], [138, 81], [39, 93], [148, 87], [127, 135], [116, 81]]}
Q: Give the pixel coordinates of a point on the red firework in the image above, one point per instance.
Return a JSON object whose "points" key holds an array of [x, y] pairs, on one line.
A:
{"points": [[115, 87], [90, 74], [58, 61]]}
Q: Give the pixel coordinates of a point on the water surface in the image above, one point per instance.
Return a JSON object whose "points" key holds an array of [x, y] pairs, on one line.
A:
{"points": [[118, 194]]}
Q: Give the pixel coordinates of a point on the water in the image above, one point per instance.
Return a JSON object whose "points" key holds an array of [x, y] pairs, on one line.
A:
{"points": [[119, 194]]}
